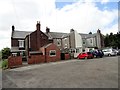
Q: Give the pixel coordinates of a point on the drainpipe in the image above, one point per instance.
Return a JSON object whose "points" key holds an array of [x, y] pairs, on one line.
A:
{"points": [[45, 55]]}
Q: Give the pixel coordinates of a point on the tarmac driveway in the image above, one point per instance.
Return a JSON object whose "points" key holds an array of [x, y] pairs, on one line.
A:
{"points": [[92, 73]]}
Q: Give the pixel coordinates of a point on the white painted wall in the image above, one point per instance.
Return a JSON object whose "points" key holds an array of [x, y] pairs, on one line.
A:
{"points": [[78, 40], [78, 43]]}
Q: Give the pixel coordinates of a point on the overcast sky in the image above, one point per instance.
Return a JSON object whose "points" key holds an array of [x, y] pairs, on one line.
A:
{"points": [[59, 15]]}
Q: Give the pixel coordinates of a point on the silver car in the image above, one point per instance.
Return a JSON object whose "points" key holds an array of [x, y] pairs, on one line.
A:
{"points": [[109, 52]]}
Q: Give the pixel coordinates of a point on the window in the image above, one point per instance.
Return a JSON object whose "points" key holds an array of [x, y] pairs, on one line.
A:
{"points": [[14, 54], [77, 50], [83, 41], [90, 40], [65, 38], [21, 43], [58, 42], [52, 53]]}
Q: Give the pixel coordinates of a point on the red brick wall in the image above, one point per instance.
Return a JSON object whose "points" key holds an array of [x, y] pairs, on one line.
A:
{"points": [[52, 58], [14, 42], [67, 56], [14, 61], [35, 59], [37, 40], [33, 41]]}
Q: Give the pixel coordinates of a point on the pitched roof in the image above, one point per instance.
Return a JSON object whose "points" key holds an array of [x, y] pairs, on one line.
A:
{"points": [[45, 46], [20, 34], [56, 34], [51, 35], [87, 35]]}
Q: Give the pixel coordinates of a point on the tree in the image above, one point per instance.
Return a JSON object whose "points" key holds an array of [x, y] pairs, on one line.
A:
{"points": [[112, 40], [90, 32], [5, 53], [107, 41]]}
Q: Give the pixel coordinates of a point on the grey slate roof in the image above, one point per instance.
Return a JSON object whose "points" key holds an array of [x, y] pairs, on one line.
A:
{"points": [[87, 35], [20, 34], [23, 34], [56, 34]]}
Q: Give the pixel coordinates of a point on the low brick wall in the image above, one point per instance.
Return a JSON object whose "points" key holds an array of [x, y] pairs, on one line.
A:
{"points": [[14, 61], [67, 56], [35, 59], [52, 59]]}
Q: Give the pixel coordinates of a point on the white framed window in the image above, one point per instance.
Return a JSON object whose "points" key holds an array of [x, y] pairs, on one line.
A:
{"points": [[58, 42], [52, 53], [14, 54], [65, 38], [21, 43], [77, 50]]}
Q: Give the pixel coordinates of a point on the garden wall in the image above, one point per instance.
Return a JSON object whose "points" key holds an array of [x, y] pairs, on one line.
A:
{"points": [[14, 61]]}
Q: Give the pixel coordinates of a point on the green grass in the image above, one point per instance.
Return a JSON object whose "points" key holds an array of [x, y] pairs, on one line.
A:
{"points": [[0, 55], [0, 64], [4, 64]]}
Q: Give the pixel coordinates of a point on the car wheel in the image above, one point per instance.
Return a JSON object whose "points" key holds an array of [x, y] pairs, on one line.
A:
{"points": [[85, 57], [94, 56], [109, 54]]}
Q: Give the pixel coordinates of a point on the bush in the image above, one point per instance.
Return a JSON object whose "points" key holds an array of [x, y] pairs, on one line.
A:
{"points": [[5, 53], [4, 64]]}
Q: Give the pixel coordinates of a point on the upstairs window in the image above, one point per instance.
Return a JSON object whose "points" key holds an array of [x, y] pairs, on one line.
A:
{"points": [[21, 43], [83, 42], [58, 42], [90, 40]]}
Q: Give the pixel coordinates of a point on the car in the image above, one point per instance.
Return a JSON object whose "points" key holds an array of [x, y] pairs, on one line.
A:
{"points": [[85, 55], [118, 53], [109, 52], [98, 53]]}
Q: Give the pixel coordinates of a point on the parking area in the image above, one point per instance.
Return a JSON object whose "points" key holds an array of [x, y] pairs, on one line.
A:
{"points": [[91, 73]]}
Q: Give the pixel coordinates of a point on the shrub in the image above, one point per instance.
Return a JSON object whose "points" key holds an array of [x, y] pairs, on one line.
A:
{"points": [[4, 64], [5, 53]]}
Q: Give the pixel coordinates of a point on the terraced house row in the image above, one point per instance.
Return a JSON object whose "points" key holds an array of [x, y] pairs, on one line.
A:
{"points": [[52, 45]]}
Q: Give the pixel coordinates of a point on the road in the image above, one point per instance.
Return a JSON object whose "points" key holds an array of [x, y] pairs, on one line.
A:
{"points": [[92, 73]]}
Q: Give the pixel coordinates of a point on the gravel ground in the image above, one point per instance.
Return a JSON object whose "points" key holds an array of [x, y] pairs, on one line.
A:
{"points": [[92, 73]]}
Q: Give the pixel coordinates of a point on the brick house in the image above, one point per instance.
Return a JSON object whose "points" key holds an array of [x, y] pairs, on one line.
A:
{"points": [[51, 52], [75, 42], [18, 41], [35, 40], [26, 43]]}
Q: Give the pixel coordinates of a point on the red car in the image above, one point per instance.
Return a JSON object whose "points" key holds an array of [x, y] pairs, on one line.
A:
{"points": [[85, 55]]}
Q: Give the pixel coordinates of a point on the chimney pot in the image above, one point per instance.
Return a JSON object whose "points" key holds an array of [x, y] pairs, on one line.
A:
{"points": [[13, 28], [47, 30], [72, 30], [98, 31], [38, 25]]}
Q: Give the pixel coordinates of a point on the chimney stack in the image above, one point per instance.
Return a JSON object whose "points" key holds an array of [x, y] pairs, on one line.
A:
{"points": [[13, 28], [47, 30], [38, 25], [72, 30], [98, 31]]}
